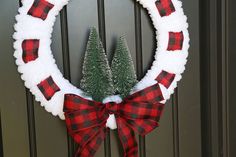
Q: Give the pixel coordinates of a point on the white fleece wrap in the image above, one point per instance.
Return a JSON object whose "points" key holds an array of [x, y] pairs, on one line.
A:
{"points": [[28, 27]]}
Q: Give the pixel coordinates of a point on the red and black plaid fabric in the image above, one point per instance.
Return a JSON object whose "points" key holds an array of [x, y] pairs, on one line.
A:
{"points": [[165, 78], [86, 120], [176, 40], [165, 7], [30, 50], [40, 9], [48, 88]]}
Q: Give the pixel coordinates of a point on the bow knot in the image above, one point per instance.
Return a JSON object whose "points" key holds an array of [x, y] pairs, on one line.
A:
{"points": [[111, 107], [86, 119]]}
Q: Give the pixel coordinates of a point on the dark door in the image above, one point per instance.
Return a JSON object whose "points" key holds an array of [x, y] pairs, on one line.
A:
{"points": [[198, 120]]}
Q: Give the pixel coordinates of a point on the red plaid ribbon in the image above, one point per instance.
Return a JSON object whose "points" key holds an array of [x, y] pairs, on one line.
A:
{"points": [[165, 7], [40, 9], [86, 120]]}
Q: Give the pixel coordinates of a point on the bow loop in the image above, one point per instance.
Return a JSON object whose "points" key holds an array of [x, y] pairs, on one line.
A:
{"points": [[74, 102], [148, 95], [142, 118], [82, 114]]}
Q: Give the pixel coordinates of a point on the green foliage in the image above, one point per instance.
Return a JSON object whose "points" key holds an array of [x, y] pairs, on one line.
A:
{"points": [[123, 73], [97, 78]]}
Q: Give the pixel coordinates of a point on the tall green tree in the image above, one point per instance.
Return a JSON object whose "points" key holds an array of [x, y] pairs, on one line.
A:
{"points": [[123, 72], [97, 77]]}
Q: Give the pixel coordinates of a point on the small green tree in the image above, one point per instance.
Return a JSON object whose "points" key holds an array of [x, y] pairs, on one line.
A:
{"points": [[123, 73], [97, 78]]}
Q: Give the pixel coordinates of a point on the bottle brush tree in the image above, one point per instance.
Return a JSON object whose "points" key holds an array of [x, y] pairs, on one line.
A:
{"points": [[123, 72], [97, 78]]}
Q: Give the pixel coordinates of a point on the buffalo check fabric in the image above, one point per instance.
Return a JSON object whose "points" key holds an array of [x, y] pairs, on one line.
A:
{"points": [[165, 7], [40, 9], [176, 40], [127, 137], [165, 78], [151, 94], [86, 119], [30, 50], [48, 87]]}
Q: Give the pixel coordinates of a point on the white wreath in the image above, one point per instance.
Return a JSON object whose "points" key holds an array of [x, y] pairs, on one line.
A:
{"points": [[28, 27]]}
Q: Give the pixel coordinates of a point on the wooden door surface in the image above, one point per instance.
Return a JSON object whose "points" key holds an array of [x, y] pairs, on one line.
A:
{"points": [[198, 121]]}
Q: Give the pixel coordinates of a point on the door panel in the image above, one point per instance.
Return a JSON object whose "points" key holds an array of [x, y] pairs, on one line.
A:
{"points": [[12, 97], [188, 102], [160, 141], [120, 23], [230, 81], [81, 16]]}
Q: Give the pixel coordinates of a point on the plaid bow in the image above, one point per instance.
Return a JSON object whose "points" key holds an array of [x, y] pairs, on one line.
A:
{"points": [[86, 119]]}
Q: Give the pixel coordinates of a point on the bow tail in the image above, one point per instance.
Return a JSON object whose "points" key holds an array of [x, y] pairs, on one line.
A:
{"points": [[93, 142], [127, 138]]}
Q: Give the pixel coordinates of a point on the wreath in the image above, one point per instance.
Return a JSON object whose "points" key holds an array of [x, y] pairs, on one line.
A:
{"points": [[41, 75]]}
